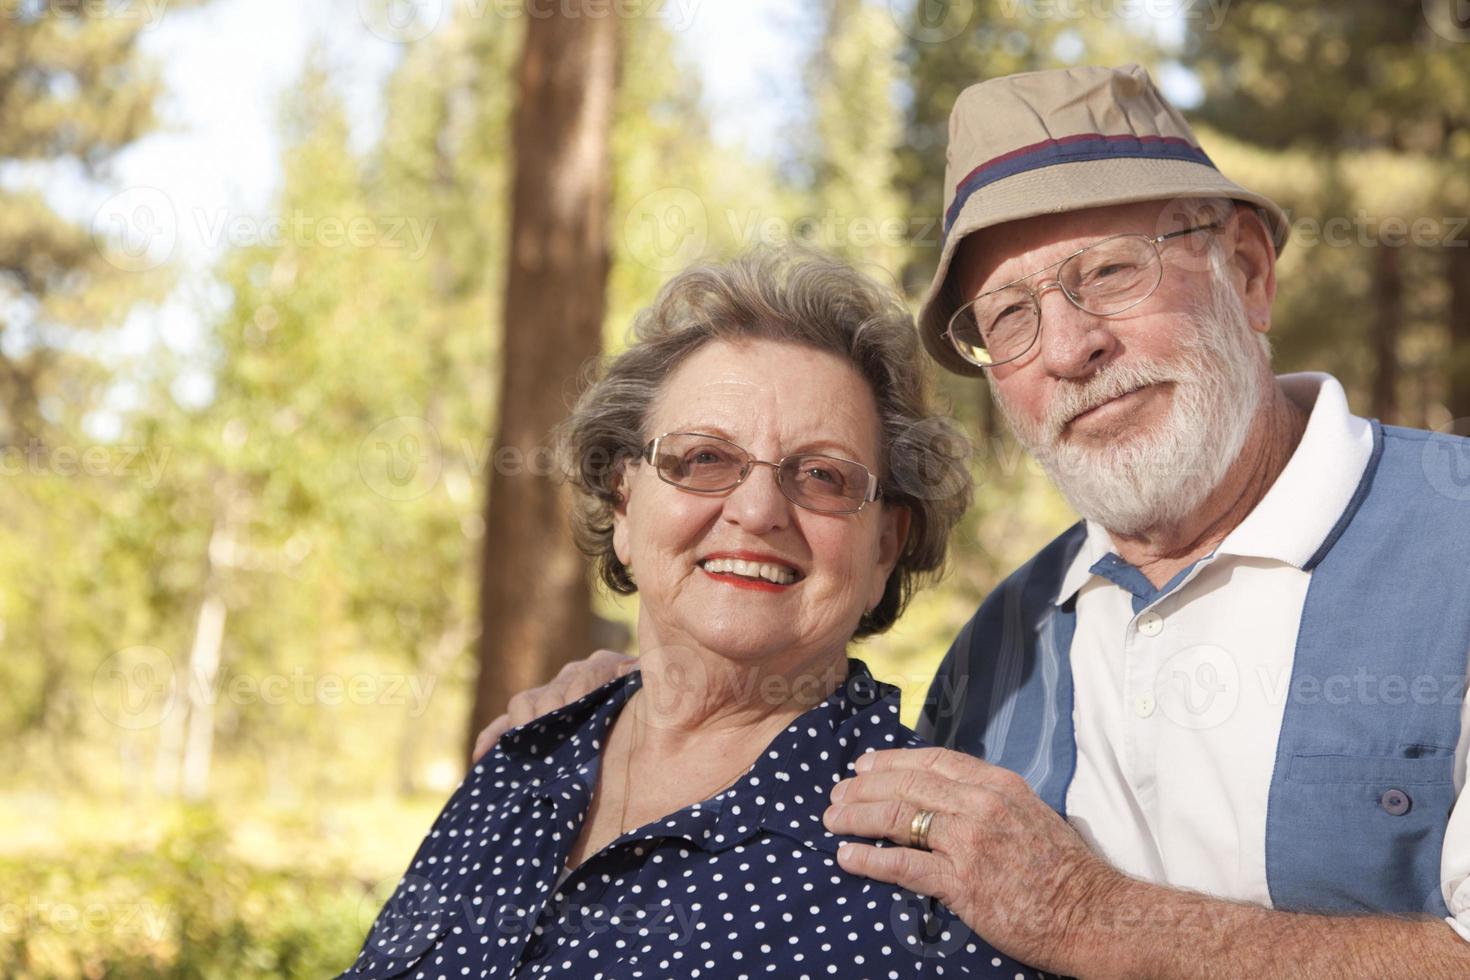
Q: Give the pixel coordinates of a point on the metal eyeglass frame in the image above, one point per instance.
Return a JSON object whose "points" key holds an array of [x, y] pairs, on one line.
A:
{"points": [[1056, 283], [873, 492]]}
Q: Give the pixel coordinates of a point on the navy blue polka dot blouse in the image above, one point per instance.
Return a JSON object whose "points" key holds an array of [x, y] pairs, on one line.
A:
{"points": [[742, 885]]}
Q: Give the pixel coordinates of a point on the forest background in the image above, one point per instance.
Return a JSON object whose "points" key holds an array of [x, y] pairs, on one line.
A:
{"points": [[277, 527]]}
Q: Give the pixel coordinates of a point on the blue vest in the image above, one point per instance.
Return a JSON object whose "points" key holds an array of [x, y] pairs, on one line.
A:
{"points": [[1363, 784]]}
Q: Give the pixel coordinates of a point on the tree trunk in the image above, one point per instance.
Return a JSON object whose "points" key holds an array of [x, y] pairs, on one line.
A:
{"points": [[534, 596], [1388, 309], [203, 675], [1457, 271]]}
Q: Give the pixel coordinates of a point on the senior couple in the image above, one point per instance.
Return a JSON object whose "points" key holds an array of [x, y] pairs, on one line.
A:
{"points": [[1136, 778]]}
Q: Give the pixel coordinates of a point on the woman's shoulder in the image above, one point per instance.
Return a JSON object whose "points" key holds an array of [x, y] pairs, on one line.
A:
{"points": [[868, 714]]}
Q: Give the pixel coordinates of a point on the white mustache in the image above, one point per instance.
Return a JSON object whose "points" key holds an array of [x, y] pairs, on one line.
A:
{"points": [[1113, 381]]}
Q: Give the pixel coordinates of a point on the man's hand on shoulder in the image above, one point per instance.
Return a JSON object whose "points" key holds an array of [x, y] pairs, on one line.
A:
{"points": [[576, 679]]}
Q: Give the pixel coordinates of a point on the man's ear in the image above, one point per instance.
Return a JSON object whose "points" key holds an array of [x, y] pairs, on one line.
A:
{"points": [[1252, 266], [896, 519]]}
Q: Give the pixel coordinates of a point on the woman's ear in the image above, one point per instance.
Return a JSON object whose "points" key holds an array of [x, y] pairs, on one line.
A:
{"points": [[893, 535], [621, 546]]}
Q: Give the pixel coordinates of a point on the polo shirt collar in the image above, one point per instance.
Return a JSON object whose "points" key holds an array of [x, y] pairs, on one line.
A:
{"points": [[1301, 508], [1318, 483], [1095, 547]]}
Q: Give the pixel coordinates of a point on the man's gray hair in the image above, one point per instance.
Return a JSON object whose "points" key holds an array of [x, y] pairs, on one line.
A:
{"points": [[792, 295]]}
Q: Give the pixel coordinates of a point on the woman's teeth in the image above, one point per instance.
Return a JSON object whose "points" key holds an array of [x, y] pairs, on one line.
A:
{"points": [[750, 569]]}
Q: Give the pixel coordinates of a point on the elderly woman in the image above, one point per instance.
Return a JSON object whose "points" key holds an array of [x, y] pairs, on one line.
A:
{"points": [[762, 469]]}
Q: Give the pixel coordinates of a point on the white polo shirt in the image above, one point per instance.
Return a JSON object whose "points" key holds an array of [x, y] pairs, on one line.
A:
{"points": [[1180, 693]]}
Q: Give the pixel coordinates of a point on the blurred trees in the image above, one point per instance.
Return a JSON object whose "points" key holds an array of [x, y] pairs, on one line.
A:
{"points": [[324, 512], [1369, 103], [851, 79], [75, 90]]}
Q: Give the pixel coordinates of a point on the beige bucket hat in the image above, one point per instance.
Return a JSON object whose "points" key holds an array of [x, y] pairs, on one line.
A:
{"points": [[1047, 142]]}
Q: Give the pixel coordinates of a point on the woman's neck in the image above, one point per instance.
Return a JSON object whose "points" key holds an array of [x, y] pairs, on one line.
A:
{"points": [[693, 697], [697, 722]]}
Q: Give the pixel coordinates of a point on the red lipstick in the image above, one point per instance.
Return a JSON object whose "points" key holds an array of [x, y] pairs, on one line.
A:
{"points": [[742, 582]]}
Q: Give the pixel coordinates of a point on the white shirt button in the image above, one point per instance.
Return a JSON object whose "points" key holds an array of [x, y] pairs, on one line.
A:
{"points": [[1150, 623], [1144, 705]]}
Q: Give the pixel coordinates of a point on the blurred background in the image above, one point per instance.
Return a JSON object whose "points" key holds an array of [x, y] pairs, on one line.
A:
{"points": [[291, 292]]}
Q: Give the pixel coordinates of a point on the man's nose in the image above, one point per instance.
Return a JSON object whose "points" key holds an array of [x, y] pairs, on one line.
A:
{"points": [[757, 504], [1074, 342]]}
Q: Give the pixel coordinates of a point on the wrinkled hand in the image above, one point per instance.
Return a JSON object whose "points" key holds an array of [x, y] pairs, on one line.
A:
{"points": [[575, 680], [1000, 858]]}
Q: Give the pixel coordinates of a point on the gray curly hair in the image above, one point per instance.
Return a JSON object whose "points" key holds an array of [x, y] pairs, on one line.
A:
{"points": [[793, 295]]}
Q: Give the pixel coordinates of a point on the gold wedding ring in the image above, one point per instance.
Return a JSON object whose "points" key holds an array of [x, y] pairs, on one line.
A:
{"points": [[919, 829]]}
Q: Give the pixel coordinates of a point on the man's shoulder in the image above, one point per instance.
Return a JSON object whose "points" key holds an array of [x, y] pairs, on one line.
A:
{"points": [[1022, 595], [1424, 441], [1412, 434], [1424, 472], [1041, 575]]}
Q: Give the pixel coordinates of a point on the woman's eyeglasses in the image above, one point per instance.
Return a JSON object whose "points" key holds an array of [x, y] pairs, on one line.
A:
{"points": [[708, 464]]}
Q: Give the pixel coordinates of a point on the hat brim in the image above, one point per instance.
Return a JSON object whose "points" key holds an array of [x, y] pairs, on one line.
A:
{"points": [[1068, 187]]}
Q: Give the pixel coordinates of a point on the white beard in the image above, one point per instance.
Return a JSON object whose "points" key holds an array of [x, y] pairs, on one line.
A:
{"points": [[1154, 479]]}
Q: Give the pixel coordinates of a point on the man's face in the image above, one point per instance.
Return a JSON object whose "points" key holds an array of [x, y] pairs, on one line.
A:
{"points": [[1135, 416], [1074, 344]]}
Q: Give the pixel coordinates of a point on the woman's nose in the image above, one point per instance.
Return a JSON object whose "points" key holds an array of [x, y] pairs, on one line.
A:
{"points": [[757, 504]]}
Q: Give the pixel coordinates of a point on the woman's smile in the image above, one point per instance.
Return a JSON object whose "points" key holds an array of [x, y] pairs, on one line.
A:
{"points": [[751, 570]]}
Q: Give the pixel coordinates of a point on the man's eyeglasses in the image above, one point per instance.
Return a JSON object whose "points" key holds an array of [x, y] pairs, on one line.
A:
{"points": [[709, 464], [1104, 279]]}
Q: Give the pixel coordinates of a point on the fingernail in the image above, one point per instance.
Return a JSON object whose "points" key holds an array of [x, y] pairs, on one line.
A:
{"points": [[864, 762], [839, 791]]}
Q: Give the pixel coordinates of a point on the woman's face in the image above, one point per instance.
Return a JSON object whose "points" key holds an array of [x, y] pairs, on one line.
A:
{"points": [[772, 399]]}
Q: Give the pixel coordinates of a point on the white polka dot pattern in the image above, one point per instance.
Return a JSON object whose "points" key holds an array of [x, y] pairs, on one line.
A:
{"points": [[743, 885]]}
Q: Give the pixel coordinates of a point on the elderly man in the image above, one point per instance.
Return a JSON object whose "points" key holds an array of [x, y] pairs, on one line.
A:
{"points": [[1217, 728]]}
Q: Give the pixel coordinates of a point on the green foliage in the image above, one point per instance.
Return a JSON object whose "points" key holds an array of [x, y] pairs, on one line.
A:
{"points": [[185, 909], [1356, 118], [75, 90], [998, 37]]}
